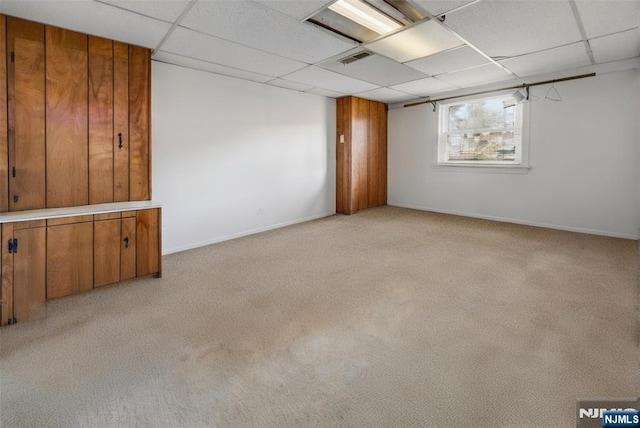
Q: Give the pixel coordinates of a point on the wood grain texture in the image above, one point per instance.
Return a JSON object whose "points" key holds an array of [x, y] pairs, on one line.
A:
{"points": [[107, 216], [6, 306], [69, 259], [343, 156], [69, 220], [29, 274], [67, 147], [128, 251], [26, 114], [361, 162], [139, 123], [121, 121], [148, 242], [101, 141], [4, 126], [106, 255]]}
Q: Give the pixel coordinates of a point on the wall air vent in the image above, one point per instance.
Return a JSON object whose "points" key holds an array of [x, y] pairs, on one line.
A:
{"points": [[353, 58]]}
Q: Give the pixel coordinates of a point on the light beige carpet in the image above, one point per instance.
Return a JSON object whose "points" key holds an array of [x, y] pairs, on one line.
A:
{"points": [[387, 318]]}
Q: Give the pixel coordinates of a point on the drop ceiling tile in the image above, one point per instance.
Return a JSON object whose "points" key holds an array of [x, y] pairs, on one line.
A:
{"points": [[325, 93], [92, 18], [167, 10], [211, 49], [505, 29], [616, 46], [375, 69], [439, 7], [386, 95], [299, 9], [425, 87], [288, 84], [448, 61], [325, 79], [476, 76], [562, 58], [606, 17], [420, 40], [252, 24], [207, 66]]}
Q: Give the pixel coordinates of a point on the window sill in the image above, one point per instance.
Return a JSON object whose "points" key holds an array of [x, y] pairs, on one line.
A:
{"points": [[486, 168]]}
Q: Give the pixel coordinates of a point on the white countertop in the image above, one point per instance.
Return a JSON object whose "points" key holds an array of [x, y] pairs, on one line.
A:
{"points": [[47, 213]]}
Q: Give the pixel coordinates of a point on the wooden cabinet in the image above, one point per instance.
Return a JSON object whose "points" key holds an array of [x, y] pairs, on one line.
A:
{"points": [[77, 129], [69, 256], [57, 257], [26, 114], [361, 154], [115, 250], [23, 272]]}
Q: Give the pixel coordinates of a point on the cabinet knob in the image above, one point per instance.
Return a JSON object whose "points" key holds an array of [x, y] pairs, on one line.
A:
{"points": [[126, 242], [120, 139]]}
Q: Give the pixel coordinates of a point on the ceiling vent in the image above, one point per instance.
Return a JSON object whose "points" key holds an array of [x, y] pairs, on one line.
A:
{"points": [[353, 58]]}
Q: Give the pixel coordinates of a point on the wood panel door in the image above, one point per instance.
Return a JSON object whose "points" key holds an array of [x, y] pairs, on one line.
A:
{"points": [[67, 148], [4, 126], [26, 114], [101, 89], [139, 123], [120, 122], [106, 252], [69, 259], [23, 273], [128, 249], [148, 242]]}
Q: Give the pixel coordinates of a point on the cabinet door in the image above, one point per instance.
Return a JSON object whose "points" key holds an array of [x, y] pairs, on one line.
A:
{"points": [[69, 259], [148, 242], [26, 114], [120, 122], [139, 97], [106, 252], [29, 272], [101, 162], [4, 127], [67, 148], [128, 249]]}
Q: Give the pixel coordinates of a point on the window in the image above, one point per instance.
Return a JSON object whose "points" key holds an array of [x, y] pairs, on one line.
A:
{"points": [[484, 131]]}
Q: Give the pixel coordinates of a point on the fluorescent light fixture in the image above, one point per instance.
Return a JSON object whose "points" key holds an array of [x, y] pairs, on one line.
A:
{"points": [[365, 15], [424, 39]]}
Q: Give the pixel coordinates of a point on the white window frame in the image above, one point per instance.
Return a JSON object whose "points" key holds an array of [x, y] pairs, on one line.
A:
{"points": [[519, 166]]}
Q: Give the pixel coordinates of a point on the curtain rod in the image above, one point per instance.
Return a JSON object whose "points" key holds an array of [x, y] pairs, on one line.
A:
{"points": [[524, 85]]}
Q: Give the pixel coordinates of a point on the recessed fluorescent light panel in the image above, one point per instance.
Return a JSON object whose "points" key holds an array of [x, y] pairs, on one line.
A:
{"points": [[365, 15], [360, 20]]}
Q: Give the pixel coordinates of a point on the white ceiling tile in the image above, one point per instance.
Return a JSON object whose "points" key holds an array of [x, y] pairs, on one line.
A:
{"points": [[512, 28], [288, 84], [425, 87], [200, 46], [299, 9], [207, 66], [476, 76], [375, 69], [425, 38], [325, 93], [616, 46], [606, 17], [562, 58], [92, 18], [439, 7], [325, 79], [252, 24], [167, 10], [448, 61], [386, 95]]}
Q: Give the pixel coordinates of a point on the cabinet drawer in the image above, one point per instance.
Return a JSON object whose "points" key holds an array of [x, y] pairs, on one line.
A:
{"points": [[69, 220], [108, 216]]}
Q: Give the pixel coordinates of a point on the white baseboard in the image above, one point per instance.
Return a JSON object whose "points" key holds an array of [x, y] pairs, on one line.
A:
{"points": [[244, 233], [519, 221]]}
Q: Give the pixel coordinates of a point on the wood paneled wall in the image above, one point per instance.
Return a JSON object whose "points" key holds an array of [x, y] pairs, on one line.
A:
{"points": [[361, 160]]}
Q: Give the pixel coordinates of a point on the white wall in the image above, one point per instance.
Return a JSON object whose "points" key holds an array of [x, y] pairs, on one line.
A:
{"points": [[584, 154], [232, 157]]}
